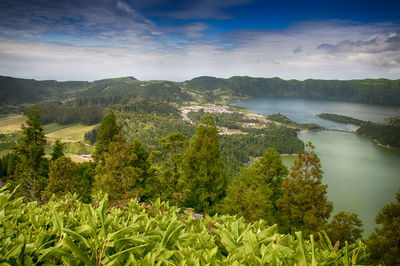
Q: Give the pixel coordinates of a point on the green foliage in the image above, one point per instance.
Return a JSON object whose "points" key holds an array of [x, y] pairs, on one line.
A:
{"points": [[91, 136], [109, 131], [304, 205], [203, 181], [32, 140], [148, 128], [342, 119], [125, 173], [63, 178], [237, 150], [67, 232], [379, 91], [15, 91], [78, 148], [52, 111], [168, 164], [58, 150], [9, 163], [385, 134], [32, 167], [256, 193], [384, 243], [344, 226], [280, 118]]}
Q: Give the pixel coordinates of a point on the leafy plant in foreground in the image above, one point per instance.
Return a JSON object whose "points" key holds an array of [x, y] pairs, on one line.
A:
{"points": [[68, 232]]}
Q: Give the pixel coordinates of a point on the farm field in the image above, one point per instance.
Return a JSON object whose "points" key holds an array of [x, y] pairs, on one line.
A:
{"points": [[11, 123], [72, 133]]}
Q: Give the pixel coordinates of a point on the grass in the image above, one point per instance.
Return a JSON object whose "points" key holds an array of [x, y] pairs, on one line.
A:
{"points": [[288, 160], [50, 128], [11, 123], [73, 133]]}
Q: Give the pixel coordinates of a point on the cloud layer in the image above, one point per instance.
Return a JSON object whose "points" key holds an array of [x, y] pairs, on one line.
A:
{"points": [[88, 40]]}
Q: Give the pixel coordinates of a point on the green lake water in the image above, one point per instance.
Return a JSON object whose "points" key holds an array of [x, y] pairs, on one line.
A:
{"points": [[361, 176]]}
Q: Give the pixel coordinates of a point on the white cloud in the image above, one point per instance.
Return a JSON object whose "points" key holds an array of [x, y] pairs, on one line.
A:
{"points": [[330, 50]]}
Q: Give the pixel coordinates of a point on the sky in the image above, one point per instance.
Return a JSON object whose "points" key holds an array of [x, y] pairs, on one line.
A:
{"points": [[179, 40]]}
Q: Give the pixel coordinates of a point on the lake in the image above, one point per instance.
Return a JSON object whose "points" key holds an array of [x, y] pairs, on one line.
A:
{"points": [[361, 176]]}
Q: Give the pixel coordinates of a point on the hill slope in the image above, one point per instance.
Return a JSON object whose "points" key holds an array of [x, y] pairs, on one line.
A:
{"points": [[376, 91]]}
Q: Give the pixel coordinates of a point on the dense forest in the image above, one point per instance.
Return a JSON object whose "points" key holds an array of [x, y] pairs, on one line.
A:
{"points": [[57, 227], [342, 119], [378, 91], [386, 134], [206, 89]]}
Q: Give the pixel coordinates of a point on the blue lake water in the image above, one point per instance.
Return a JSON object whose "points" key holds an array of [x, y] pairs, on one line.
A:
{"points": [[361, 176], [305, 110]]}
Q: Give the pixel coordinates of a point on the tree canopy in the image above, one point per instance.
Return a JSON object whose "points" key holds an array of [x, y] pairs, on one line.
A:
{"points": [[304, 205], [203, 181]]}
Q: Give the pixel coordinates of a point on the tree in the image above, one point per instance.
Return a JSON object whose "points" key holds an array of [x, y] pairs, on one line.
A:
{"points": [[304, 205], [32, 170], [169, 165], [203, 181], [383, 245], [63, 178], [272, 171], [58, 150], [66, 176], [125, 173], [344, 226], [32, 141], [109, 131], [255, 194]]}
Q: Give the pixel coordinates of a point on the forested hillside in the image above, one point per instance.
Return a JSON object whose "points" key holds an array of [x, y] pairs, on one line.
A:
{"points": [[378, 91], [207, 89], [16, 91]]}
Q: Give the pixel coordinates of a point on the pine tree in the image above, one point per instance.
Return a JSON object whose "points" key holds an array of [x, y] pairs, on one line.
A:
{"points": [[66, 176], [109, 131], [169, 169], [32, 170], [203, 181], [58, 150], [272, 171], [125, 173], [304, 205], [32, 141], [344, 226], [63, 178], [383, 245], [255, 194]]}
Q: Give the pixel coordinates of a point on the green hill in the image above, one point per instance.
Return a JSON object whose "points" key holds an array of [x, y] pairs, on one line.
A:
{"points": [[376, 91]]}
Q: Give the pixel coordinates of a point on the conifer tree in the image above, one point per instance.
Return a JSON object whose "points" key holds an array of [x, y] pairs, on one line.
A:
{"points": [[304, 205], [109, 131], [125, 173], [383, 244], [32, 141], [344, 226], [32, 169], [255, 194], [203, 181], [169, 169], [272, 171], [63, 178], [58, 150], [66, 176]]}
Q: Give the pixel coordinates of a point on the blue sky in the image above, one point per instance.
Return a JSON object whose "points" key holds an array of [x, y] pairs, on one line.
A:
{"points": [[179, 40]]}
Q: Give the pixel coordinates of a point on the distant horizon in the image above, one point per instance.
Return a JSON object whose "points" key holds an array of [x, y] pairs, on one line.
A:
{"points": [[131, 76]]}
